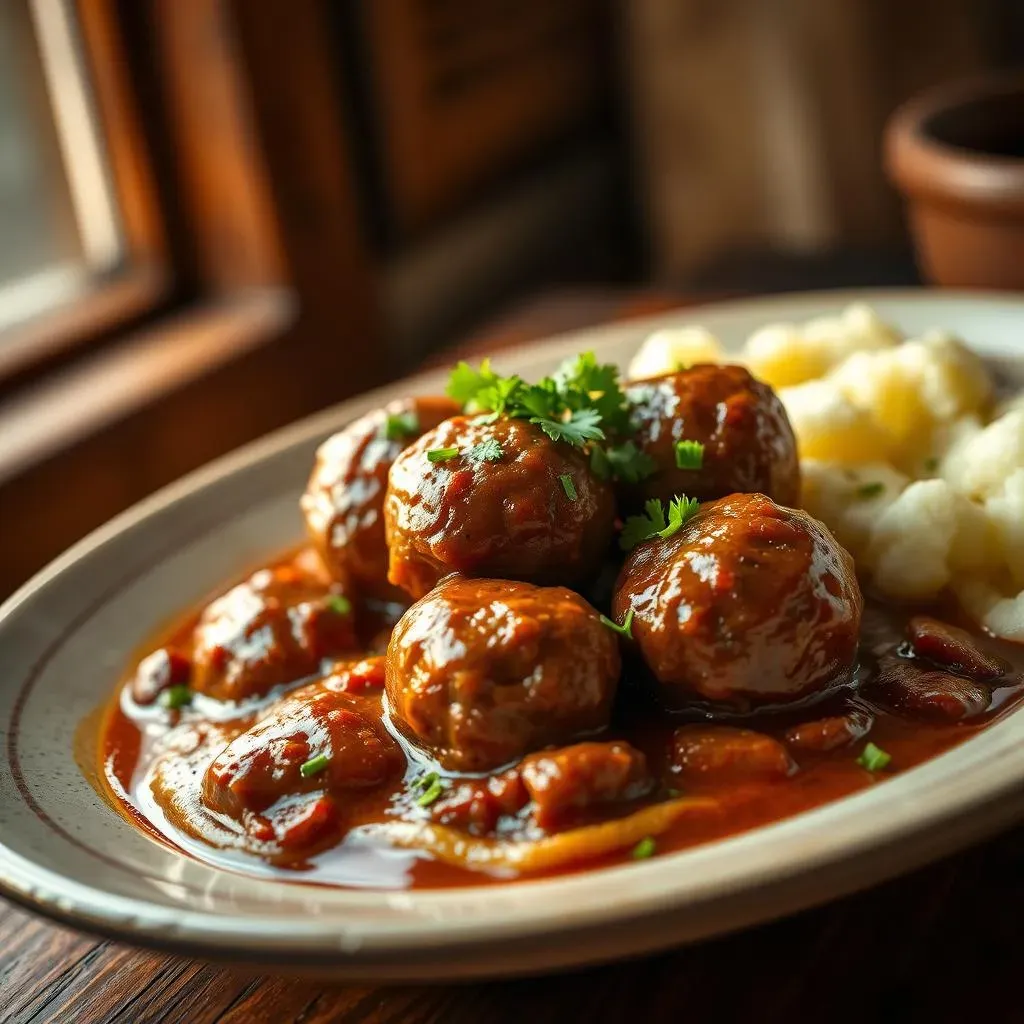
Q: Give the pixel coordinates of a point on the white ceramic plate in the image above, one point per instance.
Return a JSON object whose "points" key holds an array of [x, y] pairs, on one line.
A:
{"points": [[66, 636]]}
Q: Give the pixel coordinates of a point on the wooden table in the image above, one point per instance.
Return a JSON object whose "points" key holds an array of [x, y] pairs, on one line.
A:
{"points": [[939, 945]]}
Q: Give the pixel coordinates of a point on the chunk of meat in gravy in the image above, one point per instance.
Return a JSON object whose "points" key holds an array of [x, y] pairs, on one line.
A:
{"points": [[714, 753], [917, 691], [275, 628], [557, 785], [831, 733], [953, 649], [158, 672], [262, 768], [578, 777]]}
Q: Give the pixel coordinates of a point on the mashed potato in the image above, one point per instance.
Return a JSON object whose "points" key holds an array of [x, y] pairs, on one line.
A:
{"points": [[903, 452]]}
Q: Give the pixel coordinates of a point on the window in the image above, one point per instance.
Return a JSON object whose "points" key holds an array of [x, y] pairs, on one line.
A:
{"points": [[59, 230]]}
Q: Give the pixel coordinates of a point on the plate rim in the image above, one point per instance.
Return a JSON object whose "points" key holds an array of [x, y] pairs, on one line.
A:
{"points": [[203, 938]]}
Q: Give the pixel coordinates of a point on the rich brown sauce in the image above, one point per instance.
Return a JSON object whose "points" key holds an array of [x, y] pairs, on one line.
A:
{"points": [[131, 735]]}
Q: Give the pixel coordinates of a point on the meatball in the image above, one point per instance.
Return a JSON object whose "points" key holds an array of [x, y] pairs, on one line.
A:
{"points": [[507, 502], [748, 442], [747, 604], [275, 628], [315, 742], [344, 500], [481, 672]]}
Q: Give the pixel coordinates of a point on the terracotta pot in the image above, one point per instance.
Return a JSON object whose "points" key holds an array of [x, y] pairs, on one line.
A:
{"points": [[957, 155]]}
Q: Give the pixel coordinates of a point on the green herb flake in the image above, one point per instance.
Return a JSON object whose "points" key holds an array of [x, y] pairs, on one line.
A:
{"points": [[176, 697], [873, 758], [689, 454], [645, 848], [578, 428], [442, 454], [486, 451], [339, 604], [431, 793], [401, 425], [628, 463], [626, 629], [655, 523], [568, 486], [872, 490], [931, 464], [314, 766]]}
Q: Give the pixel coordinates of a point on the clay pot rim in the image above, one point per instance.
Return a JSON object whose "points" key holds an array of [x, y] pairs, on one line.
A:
{"points": [[924, 166]]}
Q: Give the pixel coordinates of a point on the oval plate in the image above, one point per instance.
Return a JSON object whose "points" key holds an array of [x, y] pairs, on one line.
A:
{"points": [[68, 634]]}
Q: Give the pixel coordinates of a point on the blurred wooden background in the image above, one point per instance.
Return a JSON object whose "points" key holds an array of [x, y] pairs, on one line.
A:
{"points": [[264, 208]]}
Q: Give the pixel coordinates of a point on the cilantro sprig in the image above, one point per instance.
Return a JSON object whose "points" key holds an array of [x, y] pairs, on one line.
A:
{"points": [[655, 523], [582, 404]]}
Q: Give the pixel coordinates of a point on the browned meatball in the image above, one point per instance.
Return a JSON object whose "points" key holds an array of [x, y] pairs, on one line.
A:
{"points": [[314, 741], [747, 604], [344, 500], [481, 672], [275, 628], [748, 443], [531, 511]]}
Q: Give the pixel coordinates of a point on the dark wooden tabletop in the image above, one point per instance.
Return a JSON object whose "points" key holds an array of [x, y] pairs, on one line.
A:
{"points": [[942, 944]]}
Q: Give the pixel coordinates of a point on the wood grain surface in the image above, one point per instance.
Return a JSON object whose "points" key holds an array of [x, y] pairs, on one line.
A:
{"points": [[942, 944]]}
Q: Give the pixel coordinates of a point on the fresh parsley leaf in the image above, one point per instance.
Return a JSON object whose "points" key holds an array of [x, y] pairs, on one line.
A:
{"points": [[176, 697], [628, 463], [339, 604], [689, 454], [931, 464], [499, 397], [486, 451], [600, 465], [871, 490], [568, 486], [464, 382], [401, 425], [432, 792], [442, 454], [314, 766], [655, 523], [581, 426], [873, 758], [626, 629], [645, 848]]}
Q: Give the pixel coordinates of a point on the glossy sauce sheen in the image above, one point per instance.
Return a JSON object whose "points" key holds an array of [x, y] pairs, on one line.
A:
{"points": [[627, 758]]}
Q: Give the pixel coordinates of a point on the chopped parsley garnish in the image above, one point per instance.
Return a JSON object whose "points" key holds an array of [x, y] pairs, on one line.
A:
{"points": [[581, 404], [314, 766], [442, 454], [626, 629], [568, 486], [580, 426], [873, 758], [871, 490], [432, 786], [654, 522], [689, 454], [645, 848], [175, 697], [401, 425], [486, 451], [931, 464], [627, 463], [339, 604]]}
